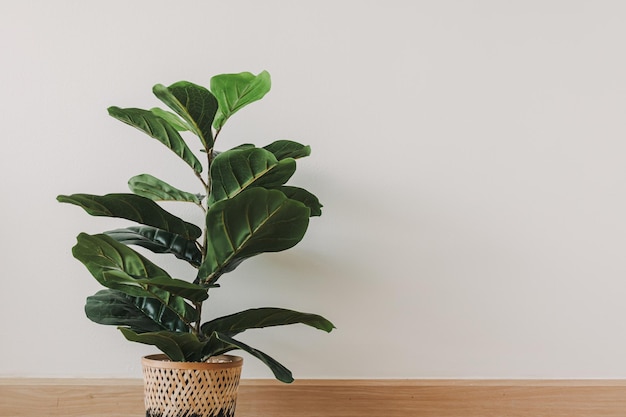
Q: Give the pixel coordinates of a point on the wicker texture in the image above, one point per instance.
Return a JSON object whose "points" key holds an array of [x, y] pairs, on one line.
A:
{"points": [[186, 389]]}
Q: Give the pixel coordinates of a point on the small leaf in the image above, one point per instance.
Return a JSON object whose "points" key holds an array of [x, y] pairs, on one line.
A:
{"points": [[305, 197], [141, 314], [234, 91], [257, 318], [237, 169], [280, 372], [159, 129], [179, 347], [133, 207], [195, 104], [159, 241], [171, 118], [288, 149], [240, 147], [215, 347], [155, 189], [255, 221], [178, 287]]}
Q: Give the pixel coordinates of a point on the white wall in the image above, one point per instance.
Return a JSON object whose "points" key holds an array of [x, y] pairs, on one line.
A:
{"points": [[470, 157]]}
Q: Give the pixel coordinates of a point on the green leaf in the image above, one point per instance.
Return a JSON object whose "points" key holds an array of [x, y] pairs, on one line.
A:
{"points": [[101, 255], [255, 221], [280, 372], [159, 241], [158, 128], [155, 189], [305, 197], [171, 118], [179, 347], [288, 149], [215, 347], [179, 287], [141, 314], [195, 104], [235, 170], [241, 147], [133, 207], [116, 266], [257, 318], [234, 91]]}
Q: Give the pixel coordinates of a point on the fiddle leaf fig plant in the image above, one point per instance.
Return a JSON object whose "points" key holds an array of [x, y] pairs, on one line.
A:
{"points": [[247, 209]]}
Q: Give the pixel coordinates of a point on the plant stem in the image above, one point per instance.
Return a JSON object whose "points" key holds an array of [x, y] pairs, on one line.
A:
{"points": [[201, 207], [207, 185], [202, 180], [197, 330]]}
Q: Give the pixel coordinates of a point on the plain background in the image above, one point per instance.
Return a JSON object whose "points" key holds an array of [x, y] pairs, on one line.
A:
{"points": [[469, 155]]}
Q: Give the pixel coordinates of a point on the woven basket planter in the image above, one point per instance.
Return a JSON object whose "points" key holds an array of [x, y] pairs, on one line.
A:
{"points": [[191, 389]]}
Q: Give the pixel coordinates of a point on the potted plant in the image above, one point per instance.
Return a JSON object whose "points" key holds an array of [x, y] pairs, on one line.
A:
{"points": [[246, 209]]}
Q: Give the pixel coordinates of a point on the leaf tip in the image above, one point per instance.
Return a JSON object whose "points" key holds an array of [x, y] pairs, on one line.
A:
{"points": [[287, 380], [158, 87]]}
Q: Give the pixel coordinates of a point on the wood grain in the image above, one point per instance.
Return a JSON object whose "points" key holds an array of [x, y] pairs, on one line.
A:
{"points": [[337, 398]]}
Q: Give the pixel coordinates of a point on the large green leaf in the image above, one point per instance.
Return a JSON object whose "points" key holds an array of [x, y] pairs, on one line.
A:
{"points": [[155, 189], [159, 241], [158, 128], [141, 314], [179, 347], [235, 170], [234, 91], [195, 104], [255, 221], [305, 197], [133, 207], [116, 266], [257, 318], [280, 372], [288, 149]]}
